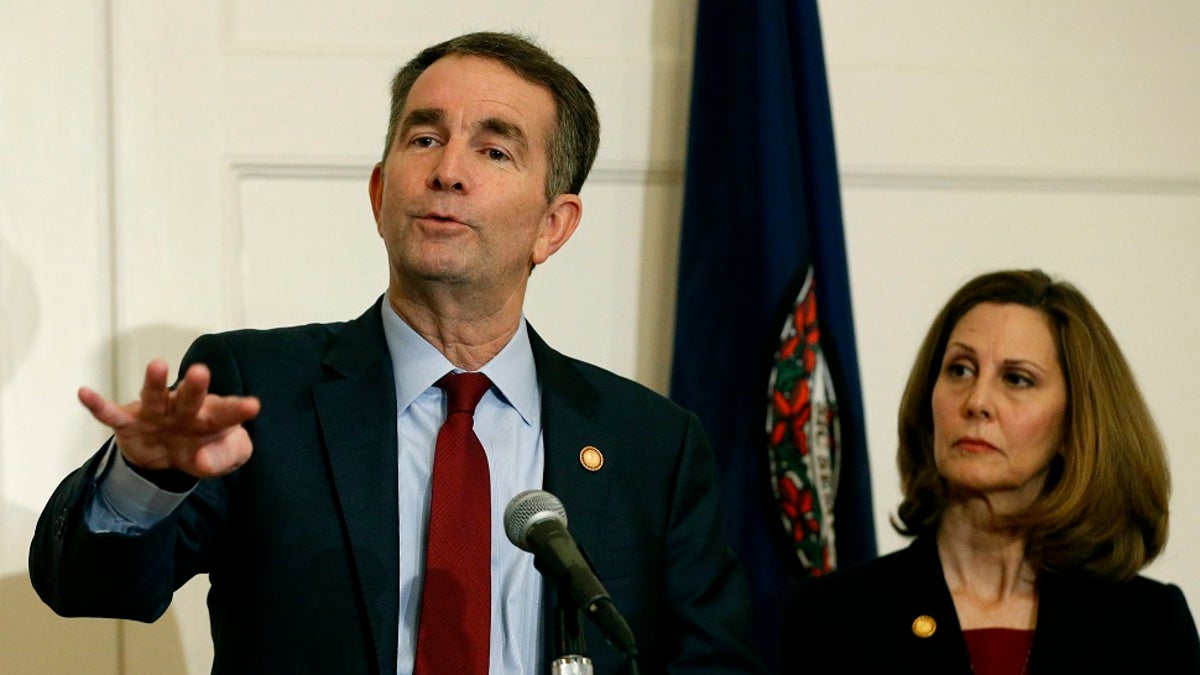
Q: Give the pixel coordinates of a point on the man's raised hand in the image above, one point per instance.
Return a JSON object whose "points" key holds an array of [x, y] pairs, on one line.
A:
{"points": [[188, 429]]}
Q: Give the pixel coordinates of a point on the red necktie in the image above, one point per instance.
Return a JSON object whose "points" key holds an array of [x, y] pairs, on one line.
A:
{"points": [[456, 601]]}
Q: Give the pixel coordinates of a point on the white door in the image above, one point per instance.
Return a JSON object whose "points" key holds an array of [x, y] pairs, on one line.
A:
{"points": [[205, 166]]}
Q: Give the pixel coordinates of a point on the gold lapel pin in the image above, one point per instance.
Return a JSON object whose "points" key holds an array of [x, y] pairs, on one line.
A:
{"points": [[591, 458], [924, 626]]}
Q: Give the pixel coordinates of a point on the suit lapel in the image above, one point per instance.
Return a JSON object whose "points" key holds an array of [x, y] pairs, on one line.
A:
{"points": [[569, 405], [569, 408], [357, 413]]}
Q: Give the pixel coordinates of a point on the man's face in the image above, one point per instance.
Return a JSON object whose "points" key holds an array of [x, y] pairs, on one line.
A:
{"points": [[460, 201]]}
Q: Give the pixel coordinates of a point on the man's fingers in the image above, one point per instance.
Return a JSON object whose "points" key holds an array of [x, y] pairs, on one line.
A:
{"points": [[229, 411], [154, 394], [187, 429], [192, 392], [248, 407], [223, 455], [105, 411]]}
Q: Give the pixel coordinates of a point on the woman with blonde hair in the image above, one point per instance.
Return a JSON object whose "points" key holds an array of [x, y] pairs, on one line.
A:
{"points": [[1036, 486]]}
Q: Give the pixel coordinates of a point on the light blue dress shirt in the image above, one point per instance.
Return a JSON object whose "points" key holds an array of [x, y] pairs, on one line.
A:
{"points": [[508, 423]]}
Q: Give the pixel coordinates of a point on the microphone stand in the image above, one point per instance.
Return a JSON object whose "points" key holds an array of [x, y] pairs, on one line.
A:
{"points": [[570, 645], [569, 631]]}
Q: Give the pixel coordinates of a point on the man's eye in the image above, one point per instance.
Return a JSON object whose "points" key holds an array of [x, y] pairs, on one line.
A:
{"points": [[423, 141], [498, 155]]}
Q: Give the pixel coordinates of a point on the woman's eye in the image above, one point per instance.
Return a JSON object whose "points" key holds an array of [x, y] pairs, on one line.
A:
{"points": [[957, 370], [1018, 379]]}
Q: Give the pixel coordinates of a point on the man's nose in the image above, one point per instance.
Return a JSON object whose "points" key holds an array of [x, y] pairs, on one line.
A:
{"points": [[451, 170]]}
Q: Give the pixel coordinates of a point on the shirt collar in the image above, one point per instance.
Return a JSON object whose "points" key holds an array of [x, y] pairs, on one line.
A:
{"points": [[417, 365]]}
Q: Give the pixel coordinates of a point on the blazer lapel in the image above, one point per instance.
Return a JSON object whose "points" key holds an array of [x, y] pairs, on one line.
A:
{"points": [[357, 413], [1078, 624], [922, 587]]}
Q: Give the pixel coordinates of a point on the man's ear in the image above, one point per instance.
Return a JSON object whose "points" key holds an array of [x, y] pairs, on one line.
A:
{"points": [[375, 188], [562, 217]]}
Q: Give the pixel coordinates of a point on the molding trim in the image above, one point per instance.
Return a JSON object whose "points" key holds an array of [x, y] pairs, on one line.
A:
{"points": [[852, 177], [359, 168], [282, 166], [975, 180]]}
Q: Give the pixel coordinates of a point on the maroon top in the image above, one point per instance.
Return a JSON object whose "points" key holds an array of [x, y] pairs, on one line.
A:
{"points": [[999, 651]]}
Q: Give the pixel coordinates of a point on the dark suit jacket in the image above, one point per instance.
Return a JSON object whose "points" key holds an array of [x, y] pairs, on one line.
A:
{"points": [[300, 543], [860, 621]]}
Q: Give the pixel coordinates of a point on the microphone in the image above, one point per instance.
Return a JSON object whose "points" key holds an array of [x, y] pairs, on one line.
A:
{"points": [[536, 521]]}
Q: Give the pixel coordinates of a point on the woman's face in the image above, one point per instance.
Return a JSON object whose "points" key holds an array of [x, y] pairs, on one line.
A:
{"points": [[998, 404]]}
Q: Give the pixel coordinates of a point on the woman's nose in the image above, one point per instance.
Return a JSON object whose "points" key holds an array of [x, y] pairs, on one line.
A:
{"points": [[979, 402]]}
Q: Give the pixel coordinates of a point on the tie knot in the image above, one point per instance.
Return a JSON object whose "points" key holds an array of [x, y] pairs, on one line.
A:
{"points": [[463, 391]]}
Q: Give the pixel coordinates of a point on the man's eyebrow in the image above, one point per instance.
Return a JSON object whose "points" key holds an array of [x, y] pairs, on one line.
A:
{"points": [[505, 129], [422, 117]]}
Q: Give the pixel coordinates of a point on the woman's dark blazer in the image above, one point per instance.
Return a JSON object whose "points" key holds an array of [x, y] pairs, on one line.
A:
{"points": [[861, 621]]}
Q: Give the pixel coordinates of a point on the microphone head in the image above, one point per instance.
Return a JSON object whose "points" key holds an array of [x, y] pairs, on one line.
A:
{"points": [[527, 509]]}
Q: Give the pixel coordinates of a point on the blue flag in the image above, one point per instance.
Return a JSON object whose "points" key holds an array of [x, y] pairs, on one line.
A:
{"points": [[764, 341]]}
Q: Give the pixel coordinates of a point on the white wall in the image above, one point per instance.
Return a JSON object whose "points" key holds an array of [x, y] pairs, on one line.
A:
{"points": [[158, 182]]}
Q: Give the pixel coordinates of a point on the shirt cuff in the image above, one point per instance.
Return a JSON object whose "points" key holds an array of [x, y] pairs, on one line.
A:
{"points": [[125, 502]]}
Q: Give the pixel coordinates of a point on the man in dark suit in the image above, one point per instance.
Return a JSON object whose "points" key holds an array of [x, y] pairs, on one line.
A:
{"points": [[294, 465]]}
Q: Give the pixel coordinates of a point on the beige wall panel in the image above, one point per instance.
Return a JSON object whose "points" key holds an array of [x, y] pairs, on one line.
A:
{"points": [[1029, 87], [1133, 254], [597, 299], [584, 299], [366, 25], [55, 325], [34, 639], [166, 168], [54, 242], [308, 249], [283, 69], [179, 642]]}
